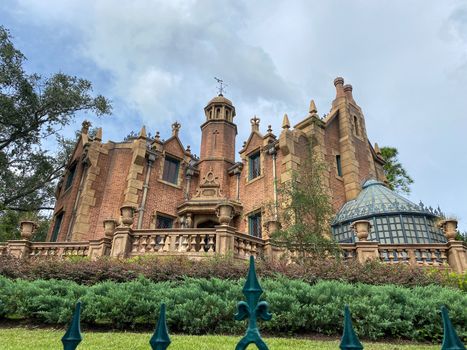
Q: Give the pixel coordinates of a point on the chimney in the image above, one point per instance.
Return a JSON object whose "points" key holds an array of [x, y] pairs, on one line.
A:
{"points": [[348, 92], [339, 84]]}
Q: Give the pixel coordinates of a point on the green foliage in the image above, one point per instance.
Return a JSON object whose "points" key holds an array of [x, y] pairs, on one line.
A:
{"points": [[33, 109], [306, 209], [398, 178], [199, 306]]}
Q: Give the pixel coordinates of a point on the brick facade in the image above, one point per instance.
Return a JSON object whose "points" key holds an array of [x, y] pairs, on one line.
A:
{"points": [[110, 175]]}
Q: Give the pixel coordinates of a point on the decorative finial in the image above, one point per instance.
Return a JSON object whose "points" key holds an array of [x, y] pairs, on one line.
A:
{"points": [[285, 122], [157, 138], [85, 125], [160, 340], [244, 144], [221, 87], [349, 340], [451, 340], [98, 136], [142, 133], [269, 129], [313, 109], [188, 149], [252, 309], [175, 128], [73, 336], [255, 123]]}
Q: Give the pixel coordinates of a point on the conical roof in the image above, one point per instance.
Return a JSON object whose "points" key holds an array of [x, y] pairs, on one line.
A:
{"points": [[375, 198], [220, 99]]}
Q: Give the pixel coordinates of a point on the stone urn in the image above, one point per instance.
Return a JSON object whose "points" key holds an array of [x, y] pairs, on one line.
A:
{"points": [[272, 226], [449, 227], [362, 228], [127, 212], [225, 213], [27, 229], [109, 227]]}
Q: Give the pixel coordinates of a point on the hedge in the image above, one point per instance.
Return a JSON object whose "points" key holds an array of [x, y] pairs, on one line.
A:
{"points": [[156, 269], [200, 306]]}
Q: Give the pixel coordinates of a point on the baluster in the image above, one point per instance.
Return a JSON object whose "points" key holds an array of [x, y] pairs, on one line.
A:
{"points": [[241, 247], [166, 243], [152, 243], [253, 249], [135, 245], [211, 244], [143, 244], [443, 257], [434, 258]]}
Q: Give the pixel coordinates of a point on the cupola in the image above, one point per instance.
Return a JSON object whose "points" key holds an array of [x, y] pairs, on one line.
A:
{"points": [[220, 108]]}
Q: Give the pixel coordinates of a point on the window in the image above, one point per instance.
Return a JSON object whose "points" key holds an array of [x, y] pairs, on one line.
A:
{"points": [[71, 175], [57, 225], [164, 222], [356, 126], [338, 165], [254, 166], [170, 173], [254, 225]]}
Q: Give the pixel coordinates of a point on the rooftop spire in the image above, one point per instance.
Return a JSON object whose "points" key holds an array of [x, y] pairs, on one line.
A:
{"points": [[313, 109], [142, 133]]}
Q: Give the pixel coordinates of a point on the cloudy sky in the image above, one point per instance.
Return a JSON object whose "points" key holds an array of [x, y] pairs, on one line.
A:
{"points": [[156, 61]]}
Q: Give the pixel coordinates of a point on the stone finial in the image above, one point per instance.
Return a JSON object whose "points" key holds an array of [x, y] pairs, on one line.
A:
{"points": [[285, 122], [175, 128], [449, 227], [244, 144], [85, 127], [269, 131], [255, 123], [313, 109], [377, 150], [339, 84], [127, 212], [109, 227], [157, 138], [142, 134], [98, 136], [188, 149], [362, 228]]}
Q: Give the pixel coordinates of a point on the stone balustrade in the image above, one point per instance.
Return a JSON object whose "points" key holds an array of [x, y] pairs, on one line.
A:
{"points": [[173, 242], [414, 254], [246, 246], [58, 249]]}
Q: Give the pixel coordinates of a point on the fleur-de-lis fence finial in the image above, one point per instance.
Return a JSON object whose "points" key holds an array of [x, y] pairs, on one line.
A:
{"points": [[349, 339], [252, 309], [73, 336], [451, 340], [160, 339]]}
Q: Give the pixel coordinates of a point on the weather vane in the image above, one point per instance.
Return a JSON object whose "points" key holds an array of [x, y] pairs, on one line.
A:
{"points": [[221, 87]]}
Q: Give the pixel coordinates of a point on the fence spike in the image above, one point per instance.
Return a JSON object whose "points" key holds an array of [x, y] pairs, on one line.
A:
{"points": [[349, 339], [451, 340], [252, 309], [73, 336], [160, 340]]}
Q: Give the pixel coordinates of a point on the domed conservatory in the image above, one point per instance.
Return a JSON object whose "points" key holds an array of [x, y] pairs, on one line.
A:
{"points": [[394, 219]]}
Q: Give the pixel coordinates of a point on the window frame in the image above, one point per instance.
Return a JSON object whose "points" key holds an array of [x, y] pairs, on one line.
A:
{"points": [[339, 165], [58, 220], [165, 170], [167, 218], [252, 158], [255, 228], [71, 173]]}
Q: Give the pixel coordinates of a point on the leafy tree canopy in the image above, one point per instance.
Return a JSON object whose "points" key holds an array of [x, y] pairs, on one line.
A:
{"points": [[306, 210], [398, 178], [33, 109]]}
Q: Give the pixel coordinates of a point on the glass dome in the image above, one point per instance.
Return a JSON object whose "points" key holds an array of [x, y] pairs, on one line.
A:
{"points": [[395, 219]]}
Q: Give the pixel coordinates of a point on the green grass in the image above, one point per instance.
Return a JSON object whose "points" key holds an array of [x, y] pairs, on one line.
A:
{"points": [[45, 339]]}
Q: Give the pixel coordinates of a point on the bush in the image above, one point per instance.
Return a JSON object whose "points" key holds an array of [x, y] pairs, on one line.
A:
{"points": [[157, 269], [199, 306]]}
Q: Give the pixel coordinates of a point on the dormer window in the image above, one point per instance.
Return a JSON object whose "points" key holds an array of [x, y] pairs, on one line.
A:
{"points": [[254, 165], [171, 167]]}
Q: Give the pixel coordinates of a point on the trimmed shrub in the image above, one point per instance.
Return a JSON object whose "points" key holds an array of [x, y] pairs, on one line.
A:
{"points": [[200, 306], [159, 269]]}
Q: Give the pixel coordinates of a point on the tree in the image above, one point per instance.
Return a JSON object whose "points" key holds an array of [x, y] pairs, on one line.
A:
{"points": [[398, 178], [306, 210], [33, 109]]}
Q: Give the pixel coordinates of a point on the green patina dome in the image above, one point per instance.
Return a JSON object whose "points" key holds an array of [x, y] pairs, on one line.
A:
{"points": [[395, 219]]}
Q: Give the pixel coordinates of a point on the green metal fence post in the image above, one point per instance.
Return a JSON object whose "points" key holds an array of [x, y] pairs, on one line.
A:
{"points": [[160, 339], [349, 339], [451, 340], [73, 336], [252, 309]]}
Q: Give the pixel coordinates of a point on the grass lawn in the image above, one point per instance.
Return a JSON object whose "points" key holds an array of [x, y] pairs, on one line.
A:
{"points": [[45, 339]]}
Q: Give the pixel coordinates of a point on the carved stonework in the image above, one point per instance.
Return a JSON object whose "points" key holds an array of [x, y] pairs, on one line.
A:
{"points": [[209, 188]]}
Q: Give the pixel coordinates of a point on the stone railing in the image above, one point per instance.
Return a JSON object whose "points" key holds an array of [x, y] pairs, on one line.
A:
{"points": [[173, 241], [414, 254], [246, 245], [58, 249], [3, 249]]}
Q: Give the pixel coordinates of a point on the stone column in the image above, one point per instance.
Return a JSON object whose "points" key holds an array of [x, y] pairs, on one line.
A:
{"points": [[224, 239], [365, 250], [457, 255], [99, 247]]}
